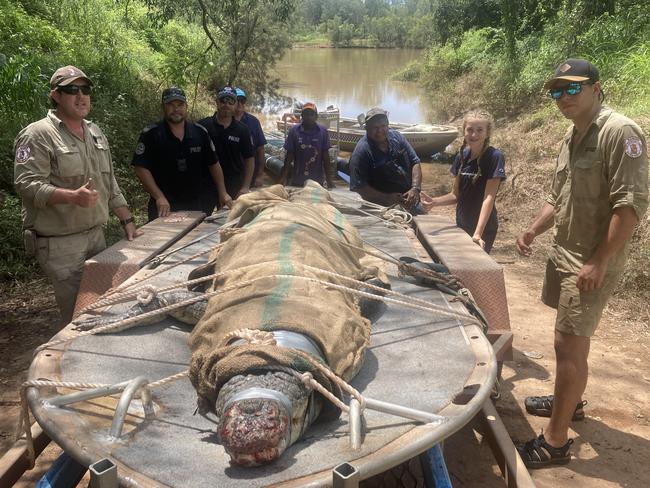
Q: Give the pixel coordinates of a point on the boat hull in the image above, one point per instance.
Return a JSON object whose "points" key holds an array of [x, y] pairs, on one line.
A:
{"points": [[424, 138]]}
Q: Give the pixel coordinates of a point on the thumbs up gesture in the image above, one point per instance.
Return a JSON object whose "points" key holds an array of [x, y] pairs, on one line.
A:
{"points": [[86, 195]]}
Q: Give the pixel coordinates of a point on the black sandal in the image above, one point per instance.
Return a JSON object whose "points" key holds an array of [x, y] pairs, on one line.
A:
{"points": [[542, 406], [537, 453]]}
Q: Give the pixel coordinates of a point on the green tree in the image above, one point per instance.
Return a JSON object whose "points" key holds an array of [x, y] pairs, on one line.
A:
{"points": [[244, 37], [312, 11], [245, 29], [376, 8]]}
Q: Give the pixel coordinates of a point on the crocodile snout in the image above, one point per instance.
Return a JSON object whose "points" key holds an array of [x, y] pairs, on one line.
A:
{"points": [[254, 431]]}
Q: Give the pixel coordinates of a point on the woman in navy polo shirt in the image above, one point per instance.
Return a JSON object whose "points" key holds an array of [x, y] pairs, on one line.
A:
{"points": [[478, 170]]}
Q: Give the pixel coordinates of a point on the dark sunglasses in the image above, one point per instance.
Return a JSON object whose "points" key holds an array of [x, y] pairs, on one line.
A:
{"points": [[571, 89], [241, 100], [75, 89]]}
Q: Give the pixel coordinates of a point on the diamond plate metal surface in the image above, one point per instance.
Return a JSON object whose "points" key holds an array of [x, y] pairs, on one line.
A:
{"points": [[116, 264], [476, 269]]}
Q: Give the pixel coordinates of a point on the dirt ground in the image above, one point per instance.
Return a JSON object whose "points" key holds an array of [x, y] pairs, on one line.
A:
{"points": [[612, 445]]}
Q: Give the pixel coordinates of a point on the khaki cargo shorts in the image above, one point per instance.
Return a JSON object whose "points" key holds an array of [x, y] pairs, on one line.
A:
{"points": [[578, 312]]}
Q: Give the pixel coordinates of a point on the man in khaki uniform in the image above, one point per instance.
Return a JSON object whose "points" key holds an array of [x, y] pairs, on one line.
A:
{"points": [[64, 174], [599, 193]]}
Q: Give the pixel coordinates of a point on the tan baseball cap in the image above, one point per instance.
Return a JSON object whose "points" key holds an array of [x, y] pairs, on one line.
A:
{"points": [[375, 112], [66, 75]]}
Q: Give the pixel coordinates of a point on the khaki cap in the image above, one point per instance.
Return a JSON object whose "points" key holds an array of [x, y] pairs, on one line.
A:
{"points": [[310, 106], [375, 112], [66, 75]]}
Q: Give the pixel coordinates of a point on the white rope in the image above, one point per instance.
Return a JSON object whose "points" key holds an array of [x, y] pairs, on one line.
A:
{"points": [[24, 424], [123, 293], [417, 304], [392, 217], [129, 295]]}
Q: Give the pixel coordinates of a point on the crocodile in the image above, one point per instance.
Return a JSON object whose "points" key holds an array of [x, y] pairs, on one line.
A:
{"points": [[264, 408]]}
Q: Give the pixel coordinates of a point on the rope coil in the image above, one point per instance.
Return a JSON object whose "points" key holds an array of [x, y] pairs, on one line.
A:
{"points": [[147, 294]]}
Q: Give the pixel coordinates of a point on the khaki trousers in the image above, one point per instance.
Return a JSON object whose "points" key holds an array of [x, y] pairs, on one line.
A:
{"points": [[62, 258]]}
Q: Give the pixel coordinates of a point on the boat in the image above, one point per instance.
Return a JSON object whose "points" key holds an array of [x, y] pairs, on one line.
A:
{"points": [[426, 139], [448, 358]]}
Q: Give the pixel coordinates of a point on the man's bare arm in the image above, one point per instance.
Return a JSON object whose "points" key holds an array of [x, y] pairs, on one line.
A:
{"points": [[249, 167], [216, 172], [387, 199], [259, 157], [543, 222], [621, 228], [284, 175]]}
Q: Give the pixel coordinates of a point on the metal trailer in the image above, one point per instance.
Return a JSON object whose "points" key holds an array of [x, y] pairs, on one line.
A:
{"points": [[440, 369]]}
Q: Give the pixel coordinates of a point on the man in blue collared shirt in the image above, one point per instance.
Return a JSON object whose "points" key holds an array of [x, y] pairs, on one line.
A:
{"points": [[384, 168], [257, 134]]}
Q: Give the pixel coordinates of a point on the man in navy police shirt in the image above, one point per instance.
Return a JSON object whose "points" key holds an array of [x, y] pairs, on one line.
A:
{"points": [[232, 140], [257, 134], [176, 162]]}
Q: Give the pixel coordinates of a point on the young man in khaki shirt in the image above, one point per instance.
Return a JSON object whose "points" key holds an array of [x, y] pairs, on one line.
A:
{"points": [[64, 174], [599, 193]]}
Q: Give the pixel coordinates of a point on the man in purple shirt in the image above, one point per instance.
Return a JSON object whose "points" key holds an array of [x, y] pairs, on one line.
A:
{"points": [[307, 147]]}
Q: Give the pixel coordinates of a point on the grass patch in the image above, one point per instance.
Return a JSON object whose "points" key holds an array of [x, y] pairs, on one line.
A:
{"points": [[412, 72], [311, 39]]}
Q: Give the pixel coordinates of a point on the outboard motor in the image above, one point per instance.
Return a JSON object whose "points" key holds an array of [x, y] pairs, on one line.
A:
{"points": [[343, 165], [273, 164]]}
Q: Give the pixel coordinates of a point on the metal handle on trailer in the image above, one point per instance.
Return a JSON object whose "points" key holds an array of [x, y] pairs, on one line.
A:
{"points": [[103, 474]]}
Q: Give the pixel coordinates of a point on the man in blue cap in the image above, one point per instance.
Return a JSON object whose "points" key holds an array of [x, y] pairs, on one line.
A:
{"points": [[232, 140], [176, 162], [257, 134]]}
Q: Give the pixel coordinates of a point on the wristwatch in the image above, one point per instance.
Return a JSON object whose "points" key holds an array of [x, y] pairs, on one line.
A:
{"points": [[126, 222]]}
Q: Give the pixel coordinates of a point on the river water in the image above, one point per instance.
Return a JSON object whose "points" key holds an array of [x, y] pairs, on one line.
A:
{"points": [[353, 80]]}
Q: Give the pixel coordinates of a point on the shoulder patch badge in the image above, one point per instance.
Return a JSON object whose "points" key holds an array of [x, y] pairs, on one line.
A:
{"points": [[633, 147], [23, 153], [139, 149]]}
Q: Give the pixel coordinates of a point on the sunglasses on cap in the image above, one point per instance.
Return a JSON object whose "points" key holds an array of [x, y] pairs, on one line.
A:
{"points": [[75, 89], [572, 88]]}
